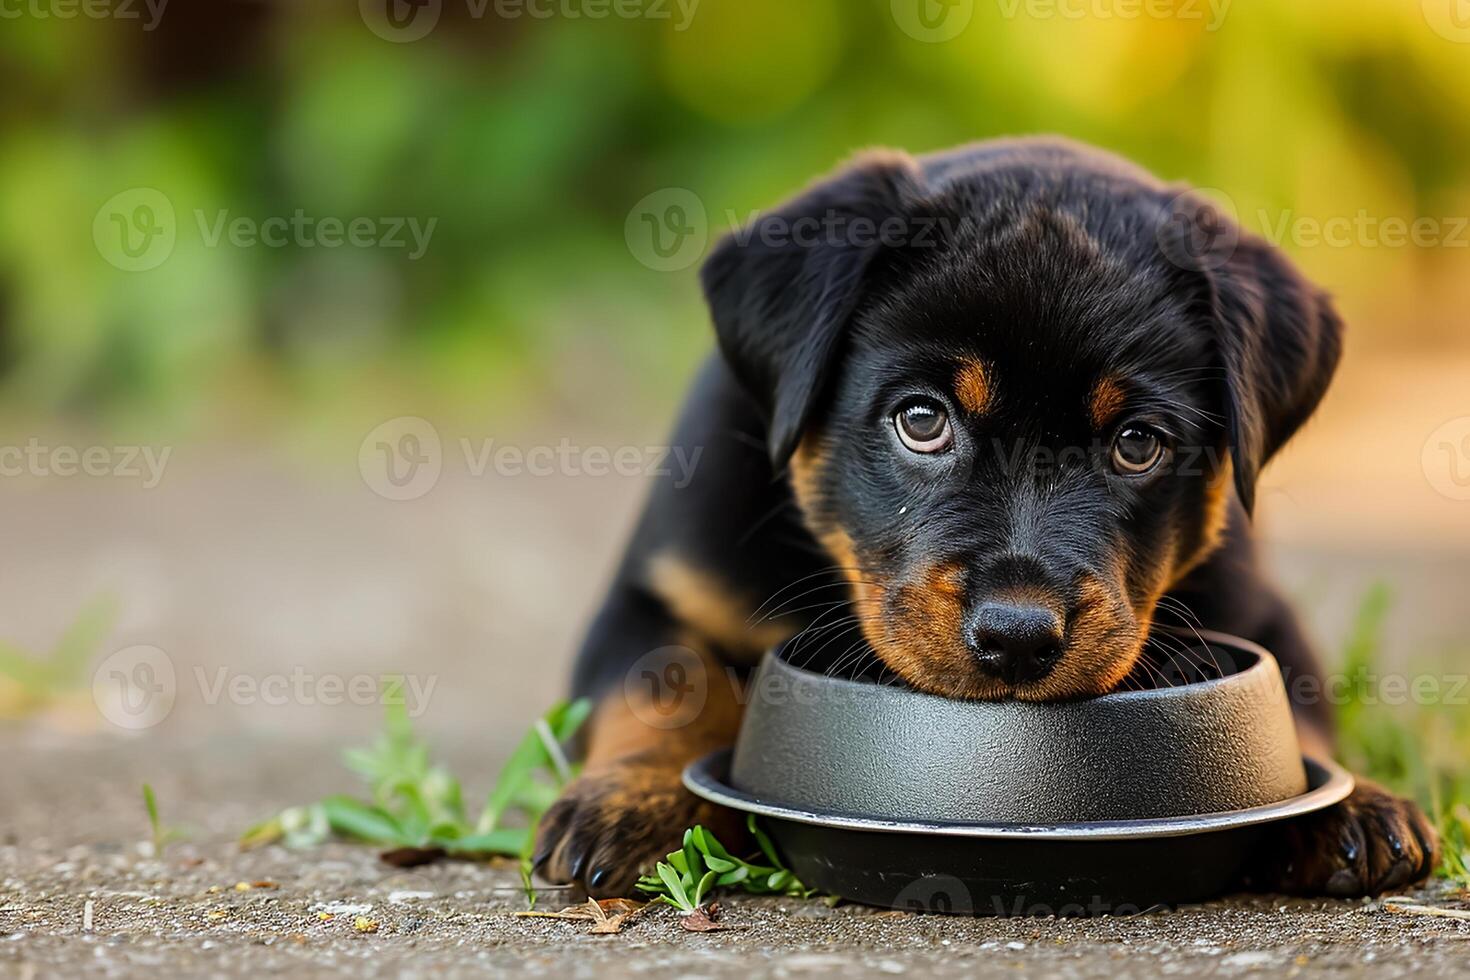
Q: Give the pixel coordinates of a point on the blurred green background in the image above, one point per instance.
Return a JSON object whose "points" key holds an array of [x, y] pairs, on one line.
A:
{"points": [[528, 140], [538, 149]]}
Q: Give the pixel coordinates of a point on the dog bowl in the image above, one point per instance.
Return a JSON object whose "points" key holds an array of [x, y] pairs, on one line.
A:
{"points": [[1155, 795]]}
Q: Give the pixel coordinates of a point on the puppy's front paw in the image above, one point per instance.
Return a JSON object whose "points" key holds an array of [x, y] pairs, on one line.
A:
{"points": [[613, 824], [1371, 842]]}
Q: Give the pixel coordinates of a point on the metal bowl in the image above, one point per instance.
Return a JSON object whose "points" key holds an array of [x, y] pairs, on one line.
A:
{"points": [[1156, 795], [1213, 733], [1119, 867]]}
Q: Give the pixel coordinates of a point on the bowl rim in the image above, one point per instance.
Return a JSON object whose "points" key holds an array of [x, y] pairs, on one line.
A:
{"points": [[1264, 662], [1327, 783]]}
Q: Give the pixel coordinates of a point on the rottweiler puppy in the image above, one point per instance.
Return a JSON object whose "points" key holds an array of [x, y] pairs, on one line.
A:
{"points": [[986, 416]]}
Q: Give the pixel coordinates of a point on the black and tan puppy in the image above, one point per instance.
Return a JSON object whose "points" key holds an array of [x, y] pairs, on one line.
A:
{"points": [[990, 414]]}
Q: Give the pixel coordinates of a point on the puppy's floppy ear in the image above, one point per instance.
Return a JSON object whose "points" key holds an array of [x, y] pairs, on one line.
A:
{"points": [[782, 289], [1280, 341]]}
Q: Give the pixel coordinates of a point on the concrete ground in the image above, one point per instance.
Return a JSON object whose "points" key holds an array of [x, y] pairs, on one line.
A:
{"points": [[262, 583], [76, 847]]}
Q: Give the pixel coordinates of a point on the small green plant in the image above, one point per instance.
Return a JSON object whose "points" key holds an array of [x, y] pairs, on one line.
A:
{"points": [[417, 806], [691, 874], [1421, 749], [40, 680], [161, 835]]}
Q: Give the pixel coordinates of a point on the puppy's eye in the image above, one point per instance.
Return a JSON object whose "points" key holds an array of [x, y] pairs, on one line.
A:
{"points": [[923, 426], [1136, 450]]}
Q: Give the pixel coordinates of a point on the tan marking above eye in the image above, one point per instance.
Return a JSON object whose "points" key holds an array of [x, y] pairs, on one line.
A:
{"points": [[974, 386], [1106, 403]]}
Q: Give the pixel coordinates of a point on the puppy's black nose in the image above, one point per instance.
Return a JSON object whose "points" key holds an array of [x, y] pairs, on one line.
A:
{"points": [[1015, 643]]}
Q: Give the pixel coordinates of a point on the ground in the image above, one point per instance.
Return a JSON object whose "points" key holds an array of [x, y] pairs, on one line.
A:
{"points": [[77, 846], [266, 571]]}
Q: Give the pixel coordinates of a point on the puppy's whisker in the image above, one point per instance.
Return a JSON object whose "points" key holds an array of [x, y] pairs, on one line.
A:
{"points": [[763, 520], [783, 613], [782, 609], [828, 571], [1192, 621]]}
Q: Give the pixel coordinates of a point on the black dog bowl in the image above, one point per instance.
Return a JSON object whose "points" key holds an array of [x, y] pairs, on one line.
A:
{"points": [[1151, 796]]}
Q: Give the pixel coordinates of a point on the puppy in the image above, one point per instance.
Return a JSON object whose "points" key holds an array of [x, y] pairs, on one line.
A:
{"points": [[986, 416]]}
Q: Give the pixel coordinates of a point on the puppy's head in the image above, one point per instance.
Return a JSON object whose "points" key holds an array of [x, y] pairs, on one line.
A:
{"points": [[1010, 412]]}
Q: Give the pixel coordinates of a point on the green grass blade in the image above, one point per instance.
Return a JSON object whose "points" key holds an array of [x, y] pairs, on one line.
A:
{"points": [[150, 803], [74, 650], [509, 841], [31, 674], [764, 842], [369, 823], [675, 887], [530, 756], [702, 889]]}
